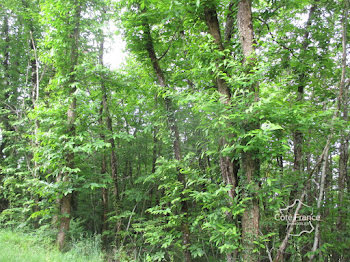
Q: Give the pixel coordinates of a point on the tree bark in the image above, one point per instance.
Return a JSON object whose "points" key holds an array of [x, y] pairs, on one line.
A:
{"points": [[66, 200], [229, 167], [250, 161]]}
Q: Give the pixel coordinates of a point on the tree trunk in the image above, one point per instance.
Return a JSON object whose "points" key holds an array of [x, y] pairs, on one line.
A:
{"points": [[6, 65], [344, 136], [113, 158], [174, 135], [66, 200], [229, 167], [34, 64], [298, 136], [4, 203], [103, 162], [250, 162]]}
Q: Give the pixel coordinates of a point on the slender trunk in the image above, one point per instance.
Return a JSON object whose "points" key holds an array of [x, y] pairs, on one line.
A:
{"points": [[250, 162], [344, 145], [113, 158], [104, 192], [229, 167], [4, 203], [154, 160], [154, 150], [319, 203], [174, 134], [35, 98], [34, 64], [344, 136], [66, 200], [321, 159], [298, 136], [6, 66]]}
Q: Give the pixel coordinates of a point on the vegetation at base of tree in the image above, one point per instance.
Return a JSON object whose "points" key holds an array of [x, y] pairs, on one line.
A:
{"points": [[19, 246], [227, 118]]}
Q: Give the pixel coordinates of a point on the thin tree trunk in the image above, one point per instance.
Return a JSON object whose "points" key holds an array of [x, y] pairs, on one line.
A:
{"points": [[250, 161], [344, 136], [174, 134], [319, 203], [34, 63], [154, 160], [66, 200], [283, 246], [298, 136], [229, 167], [4, 203], [35, 99], [6, 65], [113, 158], [344, 145], [104, 192], [343, 108]]}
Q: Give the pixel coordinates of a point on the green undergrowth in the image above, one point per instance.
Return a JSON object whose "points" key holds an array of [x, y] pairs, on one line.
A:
{"points": [[18, 246]]}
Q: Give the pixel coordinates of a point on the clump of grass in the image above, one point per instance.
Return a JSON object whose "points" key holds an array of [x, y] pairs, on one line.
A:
{"points": [[24, 247]]}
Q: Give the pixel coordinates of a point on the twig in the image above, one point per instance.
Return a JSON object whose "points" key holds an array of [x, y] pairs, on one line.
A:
{"points": [[166, 51], [129, 222]]}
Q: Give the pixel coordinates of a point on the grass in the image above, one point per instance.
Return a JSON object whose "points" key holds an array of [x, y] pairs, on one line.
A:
{"points": [[25, 247]]}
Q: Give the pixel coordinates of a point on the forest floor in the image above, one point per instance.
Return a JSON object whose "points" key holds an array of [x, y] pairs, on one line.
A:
{"points": [[29, 247]]}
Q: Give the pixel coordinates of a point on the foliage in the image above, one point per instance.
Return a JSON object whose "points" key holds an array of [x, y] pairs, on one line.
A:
{"points": [[73, 128]]}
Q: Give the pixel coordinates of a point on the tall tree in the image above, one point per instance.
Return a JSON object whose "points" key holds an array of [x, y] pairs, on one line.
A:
{"points": [[175, 136], [250, 158], [65, 201], [343, 103]]}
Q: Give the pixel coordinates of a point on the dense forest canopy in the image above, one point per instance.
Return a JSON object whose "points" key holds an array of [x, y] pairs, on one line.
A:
{"points": [[223, 137]]}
